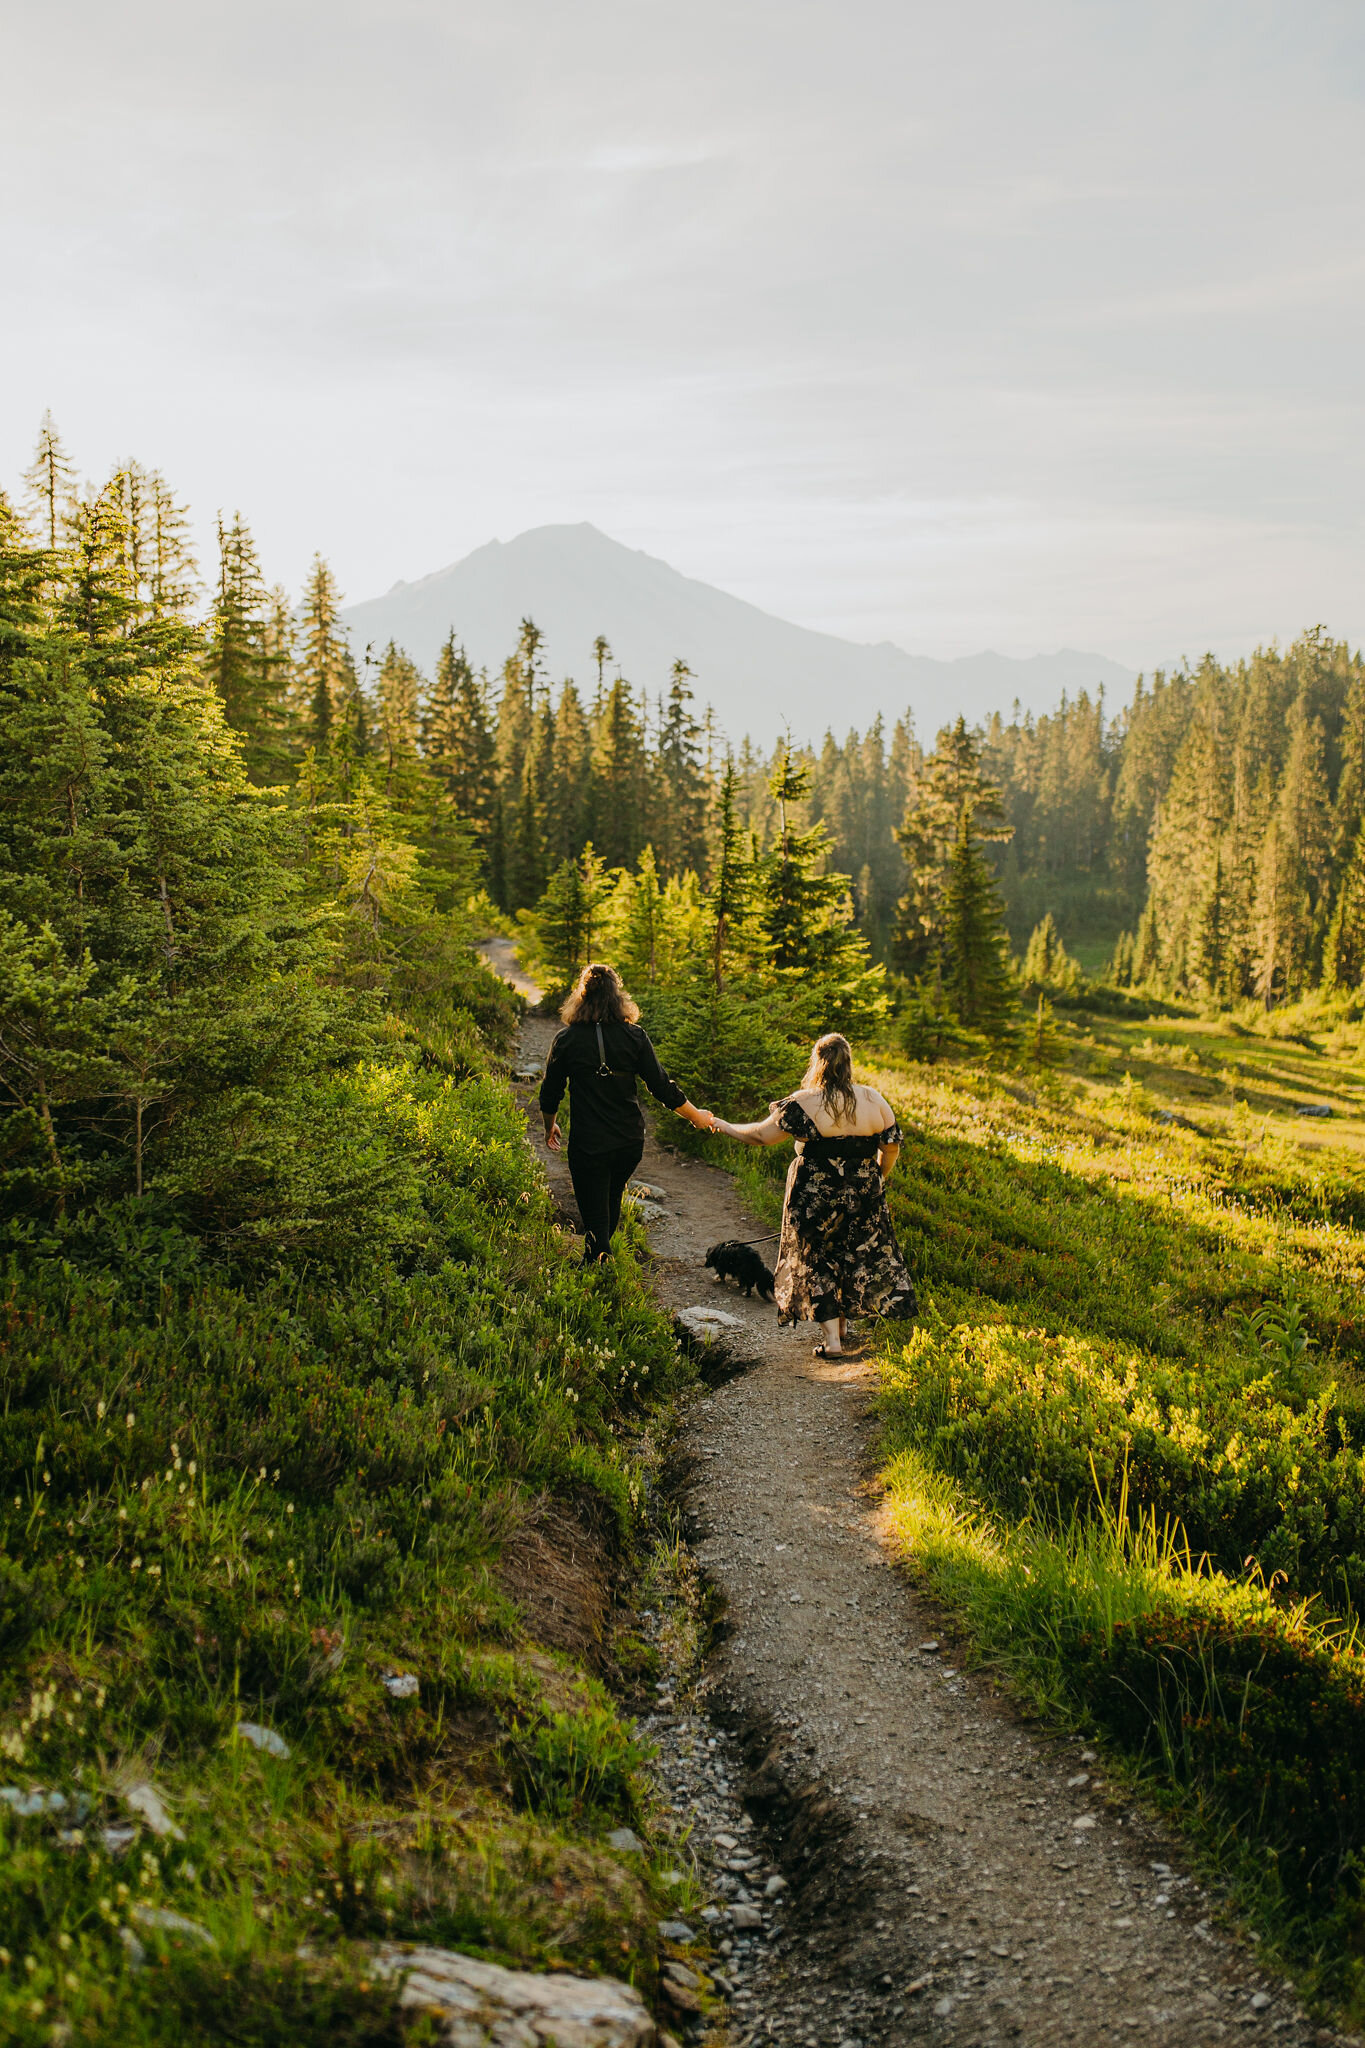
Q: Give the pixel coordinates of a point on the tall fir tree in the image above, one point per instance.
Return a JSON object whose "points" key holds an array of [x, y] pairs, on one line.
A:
{"points": [[51, 481], [681, 828], [457, 738], [951, 781], [324, 672], [975, 969], [243, 659]]}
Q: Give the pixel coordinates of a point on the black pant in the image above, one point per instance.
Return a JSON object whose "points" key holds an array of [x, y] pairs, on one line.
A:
{"points": [[599, 1181]]}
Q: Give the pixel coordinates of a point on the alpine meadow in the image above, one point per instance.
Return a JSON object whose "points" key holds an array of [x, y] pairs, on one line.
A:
{"points": [[338, 1531]]}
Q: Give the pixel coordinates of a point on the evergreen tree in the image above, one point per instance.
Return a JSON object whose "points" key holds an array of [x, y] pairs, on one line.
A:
{"points": [[1344, 952], [399, 693], [243, 660], [620, 777], [975, 973], [1047, 964], [682, 787], [457, 739], [1211, 958], [947, 785], [731, 875], [324, 670], [567, 922], [804, 912], [51, 482], [569, 797]]}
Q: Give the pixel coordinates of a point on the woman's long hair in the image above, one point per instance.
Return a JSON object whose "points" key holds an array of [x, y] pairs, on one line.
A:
{"points": [[831, 1071], [597, 997]]}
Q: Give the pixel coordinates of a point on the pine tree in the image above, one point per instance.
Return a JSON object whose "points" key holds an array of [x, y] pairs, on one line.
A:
{"points": [[51, 481], [457, 739], [1047, 964], [1146, 954], [731, 875], [568, 798], [620, 777], [324, 670], [1212, 954], [975, 974], [952, 781], [567, 921], [399, 694], [1344, 953], [804, 912], [243, 660], [682, 789]]}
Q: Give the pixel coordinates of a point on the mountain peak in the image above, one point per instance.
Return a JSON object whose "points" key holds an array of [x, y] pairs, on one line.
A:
{"points": [[759, 672]]}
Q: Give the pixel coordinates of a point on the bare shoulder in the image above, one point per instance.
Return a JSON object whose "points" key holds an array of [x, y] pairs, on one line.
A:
{"points": [[876, 1100]]}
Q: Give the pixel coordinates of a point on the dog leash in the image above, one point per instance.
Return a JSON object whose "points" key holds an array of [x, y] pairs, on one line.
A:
{"points": [[771, 1237]]}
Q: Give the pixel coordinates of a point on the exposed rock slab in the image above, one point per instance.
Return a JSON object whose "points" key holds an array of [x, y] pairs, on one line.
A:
{"points": [[483, 2004]]}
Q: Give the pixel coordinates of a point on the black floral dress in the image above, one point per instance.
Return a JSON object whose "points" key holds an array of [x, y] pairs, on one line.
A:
{"points": [[838, 1254]]}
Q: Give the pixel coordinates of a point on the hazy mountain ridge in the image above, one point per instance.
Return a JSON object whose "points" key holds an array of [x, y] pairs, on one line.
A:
{"points": [[757, 670]]}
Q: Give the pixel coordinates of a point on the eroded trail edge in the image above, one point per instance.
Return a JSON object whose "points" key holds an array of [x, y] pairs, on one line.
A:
{"points": [[952, 1874]]}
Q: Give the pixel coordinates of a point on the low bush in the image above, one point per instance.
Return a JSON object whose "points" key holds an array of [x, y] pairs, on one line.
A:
{"points": [[1055, 1425]]}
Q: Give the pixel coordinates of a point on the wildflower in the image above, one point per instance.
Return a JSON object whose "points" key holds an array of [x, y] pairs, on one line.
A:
{"points": [[99, 1411], [63, 1940], [290, 1509], [129, 1421], [261, 1473], [191, 1468], [73, 1982], [123, 1514], [136, 1565], [5, 1957], [175, 1450]]}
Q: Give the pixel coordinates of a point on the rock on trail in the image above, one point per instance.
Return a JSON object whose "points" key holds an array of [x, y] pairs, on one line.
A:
{"points": [[951, 1875]]}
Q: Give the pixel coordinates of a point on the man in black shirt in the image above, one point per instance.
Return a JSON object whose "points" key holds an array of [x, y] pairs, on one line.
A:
{"points": [[597, 1057]]}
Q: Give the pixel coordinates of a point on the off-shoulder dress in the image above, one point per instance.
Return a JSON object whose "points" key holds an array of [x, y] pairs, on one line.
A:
{"points": [[838, 1254]]}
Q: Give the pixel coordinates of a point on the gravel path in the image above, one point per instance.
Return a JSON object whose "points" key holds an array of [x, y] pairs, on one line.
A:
{"points": [[952, 1875]]}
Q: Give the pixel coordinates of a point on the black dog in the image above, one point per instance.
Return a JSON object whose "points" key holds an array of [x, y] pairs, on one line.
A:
{"points": [[740, 1262]]}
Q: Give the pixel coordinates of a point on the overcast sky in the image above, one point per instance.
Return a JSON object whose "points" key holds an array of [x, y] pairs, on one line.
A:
{"points": [[962, 324]]}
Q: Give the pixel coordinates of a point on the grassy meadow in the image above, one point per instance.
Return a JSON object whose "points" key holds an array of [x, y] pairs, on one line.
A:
{"points": [[1125, 1441], [389, 1515]]}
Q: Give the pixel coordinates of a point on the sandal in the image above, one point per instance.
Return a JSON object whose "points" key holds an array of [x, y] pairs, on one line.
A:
{"points": [[823, 1351]]}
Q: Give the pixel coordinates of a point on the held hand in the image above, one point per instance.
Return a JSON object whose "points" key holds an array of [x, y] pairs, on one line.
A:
{"points": [[554, 1137]]}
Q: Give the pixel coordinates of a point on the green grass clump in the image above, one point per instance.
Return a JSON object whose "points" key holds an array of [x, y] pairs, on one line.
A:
{"points": [[1244, 1719], [1049, 1425], [233, 1498]]}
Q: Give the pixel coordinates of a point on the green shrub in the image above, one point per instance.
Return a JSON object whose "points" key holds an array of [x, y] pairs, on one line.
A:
{"points": [[1051, 1426], [1261, 1717]]}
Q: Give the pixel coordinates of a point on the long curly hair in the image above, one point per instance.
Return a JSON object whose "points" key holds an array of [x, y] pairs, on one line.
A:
{"points": [[597, 997], [831, 1071]]}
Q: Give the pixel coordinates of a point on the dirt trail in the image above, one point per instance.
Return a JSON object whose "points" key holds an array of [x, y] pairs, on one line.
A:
{"points": [[955, 1876]]}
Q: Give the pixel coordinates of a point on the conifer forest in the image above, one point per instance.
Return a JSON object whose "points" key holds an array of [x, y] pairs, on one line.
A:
{"points": [[311, 1413]]}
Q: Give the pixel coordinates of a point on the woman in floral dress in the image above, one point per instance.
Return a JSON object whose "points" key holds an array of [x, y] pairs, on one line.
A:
{"points": [[838, 1256]]}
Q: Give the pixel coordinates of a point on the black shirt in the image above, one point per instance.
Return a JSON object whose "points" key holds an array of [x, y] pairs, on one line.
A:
{"points": [[605, 1109]]}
